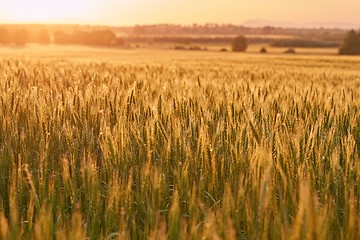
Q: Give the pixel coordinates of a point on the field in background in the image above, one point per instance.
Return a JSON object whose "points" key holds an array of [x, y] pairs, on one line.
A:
{"points": [[150, 143], [146, 52]]}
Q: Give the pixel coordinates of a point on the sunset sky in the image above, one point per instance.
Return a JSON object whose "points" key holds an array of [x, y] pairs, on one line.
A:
{"points": [[130, 12]]}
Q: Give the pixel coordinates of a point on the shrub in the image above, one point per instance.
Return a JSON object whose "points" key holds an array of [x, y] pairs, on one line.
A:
{"points": [[179, 48], [239, 44], [290, 51], [195, 48], [263, 50]]}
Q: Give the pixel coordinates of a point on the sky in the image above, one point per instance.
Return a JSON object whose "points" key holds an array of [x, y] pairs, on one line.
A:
{"points": [[131, 12]]}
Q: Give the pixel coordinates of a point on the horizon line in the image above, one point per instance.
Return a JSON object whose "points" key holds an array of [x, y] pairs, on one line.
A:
{"points": [[246, 24]]}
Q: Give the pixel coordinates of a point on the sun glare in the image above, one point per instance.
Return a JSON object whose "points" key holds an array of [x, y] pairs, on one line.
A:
{"points": [[45, 11]]}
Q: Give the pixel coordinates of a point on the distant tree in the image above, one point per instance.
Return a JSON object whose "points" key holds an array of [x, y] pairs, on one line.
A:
{"points": [[239, 44], [351, 44], [4, 36], [43, 37], [20, 36], [104, 37], [263, 50]]}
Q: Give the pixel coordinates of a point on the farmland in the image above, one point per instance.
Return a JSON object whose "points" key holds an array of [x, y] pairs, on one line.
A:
{"points": [[145, 143]]}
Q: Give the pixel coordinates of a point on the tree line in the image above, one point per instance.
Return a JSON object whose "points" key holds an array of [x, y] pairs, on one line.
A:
{"points": [[18, 36], [349, 46], [92, 38], [22, 36], [304, 43]]}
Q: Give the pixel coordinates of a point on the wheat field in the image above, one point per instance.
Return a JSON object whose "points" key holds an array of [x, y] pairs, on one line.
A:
{"points": [[248, 147]]}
